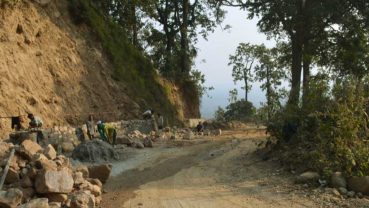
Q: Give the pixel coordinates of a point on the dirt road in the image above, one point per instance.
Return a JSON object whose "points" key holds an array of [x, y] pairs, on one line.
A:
{"points": [[218, 172]]}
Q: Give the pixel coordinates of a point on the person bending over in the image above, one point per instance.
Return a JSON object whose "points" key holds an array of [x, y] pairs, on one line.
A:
{"points": [[36, 122], [107, 132]]}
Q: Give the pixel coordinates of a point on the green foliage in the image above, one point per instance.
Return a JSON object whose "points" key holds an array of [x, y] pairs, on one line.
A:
{"points": [[333, 127], [219, 114], [10, 3], [198, 80], [131, 66], [239, 110], [233, 96], [242, 62]]}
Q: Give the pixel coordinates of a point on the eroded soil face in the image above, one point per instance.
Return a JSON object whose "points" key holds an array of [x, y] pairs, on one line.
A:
{"points": [[226, 171]]}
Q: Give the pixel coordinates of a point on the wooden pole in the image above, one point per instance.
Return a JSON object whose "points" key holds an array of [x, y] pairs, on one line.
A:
{"points": [[5, 172]]}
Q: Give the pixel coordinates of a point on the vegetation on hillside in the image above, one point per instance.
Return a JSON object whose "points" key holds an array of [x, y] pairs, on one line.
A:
{"points": [[329, 108], [140, 51]]}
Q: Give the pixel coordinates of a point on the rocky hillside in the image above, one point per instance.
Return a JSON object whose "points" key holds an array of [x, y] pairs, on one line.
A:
{"points": [[59, 71]]}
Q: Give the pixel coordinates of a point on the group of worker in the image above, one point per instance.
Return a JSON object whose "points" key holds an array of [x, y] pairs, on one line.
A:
{"points": [[150, 114], [107, 132]]}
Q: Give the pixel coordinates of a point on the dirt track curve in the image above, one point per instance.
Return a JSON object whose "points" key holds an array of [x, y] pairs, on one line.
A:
{"points": [[218, 172]]}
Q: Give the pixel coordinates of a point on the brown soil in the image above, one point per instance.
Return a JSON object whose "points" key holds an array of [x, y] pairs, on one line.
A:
{"points": [[216, 172], [59, 71]]}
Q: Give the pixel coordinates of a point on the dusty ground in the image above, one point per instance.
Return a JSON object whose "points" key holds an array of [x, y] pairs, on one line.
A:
{"points": [[222, 171]]}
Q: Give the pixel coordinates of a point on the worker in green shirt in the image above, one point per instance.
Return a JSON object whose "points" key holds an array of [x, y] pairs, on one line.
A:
{"points": [[107, 132]]}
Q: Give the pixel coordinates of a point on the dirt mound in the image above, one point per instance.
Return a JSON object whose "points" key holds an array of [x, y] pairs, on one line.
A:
{"points": [[94, 151]]}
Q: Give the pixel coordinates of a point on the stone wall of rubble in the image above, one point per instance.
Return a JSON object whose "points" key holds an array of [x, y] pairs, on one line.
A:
{"points": [[39, 177]]}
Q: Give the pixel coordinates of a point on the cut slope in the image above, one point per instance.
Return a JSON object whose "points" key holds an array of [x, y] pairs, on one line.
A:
{"points": [[58, 71]]}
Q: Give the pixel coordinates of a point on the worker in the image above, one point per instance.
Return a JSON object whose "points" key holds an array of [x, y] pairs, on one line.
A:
{"points": [[200, 127], [148, 114], [90, 127], [160, 121], [36, 122], [107, 132]]}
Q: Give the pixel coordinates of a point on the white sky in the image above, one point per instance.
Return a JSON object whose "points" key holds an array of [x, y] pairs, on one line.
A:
{"points": [[216, 52]]}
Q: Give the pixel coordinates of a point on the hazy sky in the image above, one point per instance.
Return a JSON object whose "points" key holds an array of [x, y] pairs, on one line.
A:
{"points": [[216, 52]]}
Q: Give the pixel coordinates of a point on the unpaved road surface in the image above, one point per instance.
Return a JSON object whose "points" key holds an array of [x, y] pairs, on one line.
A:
{"points": [[218, 172]]}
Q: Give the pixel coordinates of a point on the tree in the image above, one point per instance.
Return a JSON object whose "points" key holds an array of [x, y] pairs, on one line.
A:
{"points": [[239, 110], [165, 13], [186, 18], [271, 72], [219, 114], [242, 62], [233, 96], [302, 21]]}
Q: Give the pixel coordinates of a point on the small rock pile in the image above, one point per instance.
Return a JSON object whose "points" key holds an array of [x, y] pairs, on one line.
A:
{"points": [[37, 177], [351, 188]]}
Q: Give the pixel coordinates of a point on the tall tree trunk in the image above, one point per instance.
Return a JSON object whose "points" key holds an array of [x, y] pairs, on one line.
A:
{"points": [[358, 87], [134, 19], [296, 69], [184, 43], [246, 84], [306, 62], [246, 91], [306, 66], [168, 56], [268, 93]]}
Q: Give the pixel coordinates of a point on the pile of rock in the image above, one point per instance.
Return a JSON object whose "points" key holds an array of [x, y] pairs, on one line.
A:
{"points": [[63, 130], [353, 187], [137, 135], [39, 178]]}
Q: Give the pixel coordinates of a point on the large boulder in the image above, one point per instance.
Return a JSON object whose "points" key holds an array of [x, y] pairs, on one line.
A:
{"points": [[95, 181], [50, 152], [359, 184], [78, 178], [139, 145], [5, 148], [36, 203], [44, 163], [338, 180], [147, 142], [189, 135], [82, 200], [124, 140], [308, 177], [101, 172], [218, 132], [207, 132], [93, 151], [26, 182], [51, 181], [28, 148], [94, 189], [10, 198], [83, 169], [28, 193], [12, 176], [32, 172], [57, 197], [21, 136], [67, 147]]}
